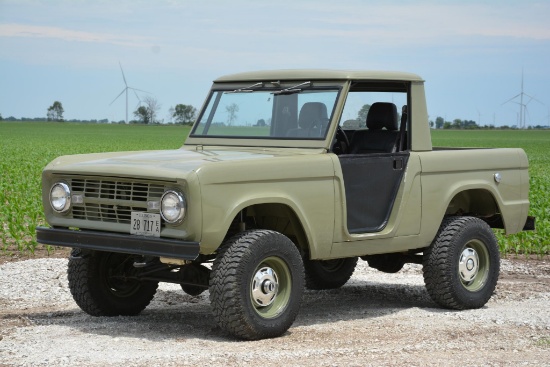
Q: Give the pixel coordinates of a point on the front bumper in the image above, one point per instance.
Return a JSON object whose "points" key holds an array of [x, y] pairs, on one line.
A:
{"points": [[116, 242]]}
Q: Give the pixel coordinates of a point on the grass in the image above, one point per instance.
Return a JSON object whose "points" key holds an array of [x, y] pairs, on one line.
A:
{"points": [[543, 342], [26, 147]]}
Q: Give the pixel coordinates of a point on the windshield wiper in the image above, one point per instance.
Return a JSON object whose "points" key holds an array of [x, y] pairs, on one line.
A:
{"points": [[246, 89], [293, 89]]}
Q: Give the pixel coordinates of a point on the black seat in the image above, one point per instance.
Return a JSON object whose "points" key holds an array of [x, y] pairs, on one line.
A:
{"points": [[381, 135], [310, 120]]}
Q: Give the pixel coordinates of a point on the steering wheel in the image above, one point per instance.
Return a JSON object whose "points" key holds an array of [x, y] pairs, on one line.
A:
{"points": [[341, 145]]}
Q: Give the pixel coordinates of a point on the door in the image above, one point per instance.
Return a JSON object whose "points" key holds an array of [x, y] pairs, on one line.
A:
{"points": [[371, 182]]}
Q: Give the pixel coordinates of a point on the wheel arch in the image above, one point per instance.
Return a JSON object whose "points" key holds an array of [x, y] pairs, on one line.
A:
{"points": [[281, 218], [476, 202], [474, 199], [277, 215]]}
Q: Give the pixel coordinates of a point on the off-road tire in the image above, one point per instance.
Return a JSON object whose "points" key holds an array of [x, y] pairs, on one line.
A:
{"points": [[196, 273], [98, 287], [386, 263], [192, 290], [447, 274], [329, 274], [241, 266]]}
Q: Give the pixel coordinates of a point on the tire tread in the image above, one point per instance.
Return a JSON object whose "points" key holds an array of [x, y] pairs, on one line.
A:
{"points": [[84, 282], [225, 294], [438, 258]]}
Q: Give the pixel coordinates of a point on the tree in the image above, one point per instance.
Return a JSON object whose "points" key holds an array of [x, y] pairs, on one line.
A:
{"points": [[148, 114], [232, 110], [153, 107], [184, 114], [55, 112], [439, 121], [142, 114], [353, 124], [1, 117], [457, 124], [470, 124], [171, 111], [362, 114]]}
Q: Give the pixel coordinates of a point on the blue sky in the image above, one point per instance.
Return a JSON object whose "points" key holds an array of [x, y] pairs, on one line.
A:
{"points": [[471, 53]]}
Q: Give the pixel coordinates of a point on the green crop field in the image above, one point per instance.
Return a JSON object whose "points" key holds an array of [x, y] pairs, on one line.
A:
{"points": [[25, 148]]}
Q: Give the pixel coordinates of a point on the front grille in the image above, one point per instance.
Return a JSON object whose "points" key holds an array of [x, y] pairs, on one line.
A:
{"points": [[112, 200]]}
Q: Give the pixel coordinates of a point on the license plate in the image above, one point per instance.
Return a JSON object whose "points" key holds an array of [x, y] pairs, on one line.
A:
{"points": [[145, 224]]}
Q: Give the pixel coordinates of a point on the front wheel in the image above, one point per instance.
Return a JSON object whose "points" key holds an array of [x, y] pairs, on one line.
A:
{"points": [[105, 283], [462, 265], [256, 285]]}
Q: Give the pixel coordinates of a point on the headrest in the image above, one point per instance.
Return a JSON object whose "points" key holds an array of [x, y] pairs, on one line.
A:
{"points": [[382, 114], [312, 113]]}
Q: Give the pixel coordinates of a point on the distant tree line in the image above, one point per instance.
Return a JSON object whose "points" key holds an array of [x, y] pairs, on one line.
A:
{"points": [[148, 113], [144, 114], [439, 123], [187, 114], [44, 119], [458, 124]]}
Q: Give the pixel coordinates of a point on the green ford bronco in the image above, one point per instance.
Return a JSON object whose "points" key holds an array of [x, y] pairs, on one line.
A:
{"points": [[287, 178]]}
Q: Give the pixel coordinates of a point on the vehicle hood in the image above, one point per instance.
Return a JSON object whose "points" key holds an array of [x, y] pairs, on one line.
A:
{"points": [[172, 164]]}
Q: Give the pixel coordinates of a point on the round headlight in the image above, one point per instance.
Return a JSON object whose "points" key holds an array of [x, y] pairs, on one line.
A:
{"points": [[172, 206], [60, 197]]}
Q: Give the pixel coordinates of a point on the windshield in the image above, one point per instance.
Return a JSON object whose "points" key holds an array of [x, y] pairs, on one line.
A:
{"points": [[268, 114]]}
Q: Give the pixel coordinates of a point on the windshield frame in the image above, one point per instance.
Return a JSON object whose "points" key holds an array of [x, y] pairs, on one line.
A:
{"points": [[275, 88]]}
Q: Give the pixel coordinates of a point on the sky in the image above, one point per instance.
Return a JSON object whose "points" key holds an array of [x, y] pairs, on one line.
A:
{"points": [[470, 53]]}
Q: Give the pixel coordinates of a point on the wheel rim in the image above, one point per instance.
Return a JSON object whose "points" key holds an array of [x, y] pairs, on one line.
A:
{"points": [[119, 276], [473, 265], [270, 287]]}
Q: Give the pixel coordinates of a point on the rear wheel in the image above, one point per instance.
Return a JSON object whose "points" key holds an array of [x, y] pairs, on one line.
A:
{"points": [[387, 263], [105, 284], [329, 274], [462, 265], [256, 285]]}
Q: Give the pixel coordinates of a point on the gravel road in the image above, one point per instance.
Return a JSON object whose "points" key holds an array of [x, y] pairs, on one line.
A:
{"points": [[376, 319]]}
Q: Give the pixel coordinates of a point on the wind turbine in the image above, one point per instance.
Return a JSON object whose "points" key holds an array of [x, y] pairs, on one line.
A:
{"points": [[125, 90], [522, 106]]}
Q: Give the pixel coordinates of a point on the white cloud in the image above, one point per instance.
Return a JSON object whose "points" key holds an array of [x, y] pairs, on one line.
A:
{"points": [[432, 21], [38, 31]]}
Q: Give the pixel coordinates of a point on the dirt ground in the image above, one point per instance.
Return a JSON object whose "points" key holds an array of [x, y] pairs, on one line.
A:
{"points": [[376, 319]]}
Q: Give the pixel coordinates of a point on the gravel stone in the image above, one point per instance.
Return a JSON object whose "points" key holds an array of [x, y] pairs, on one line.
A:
{"points": [[375, 319]]}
